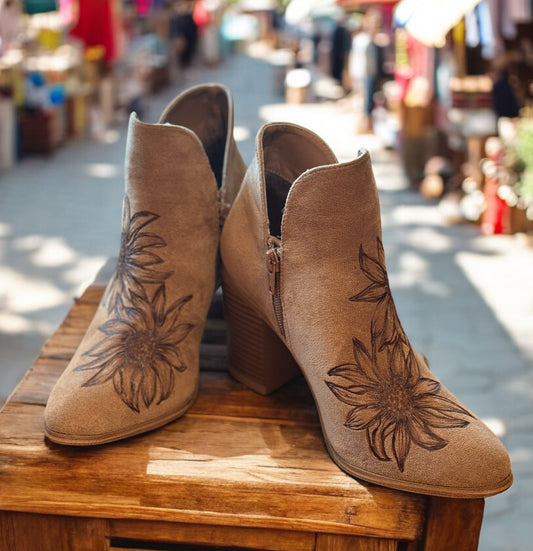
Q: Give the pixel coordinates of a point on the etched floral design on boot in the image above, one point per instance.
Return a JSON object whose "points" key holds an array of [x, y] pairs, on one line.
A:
{"points": [[139, 351], [136, 259], [389, 399], [137, 366]]}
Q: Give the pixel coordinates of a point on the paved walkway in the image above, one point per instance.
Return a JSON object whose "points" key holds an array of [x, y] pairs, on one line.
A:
{"points": [[466, 300]]}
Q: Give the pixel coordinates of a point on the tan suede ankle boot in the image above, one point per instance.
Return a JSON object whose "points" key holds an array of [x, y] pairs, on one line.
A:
{"points": [[305, 284], [137, 366]]}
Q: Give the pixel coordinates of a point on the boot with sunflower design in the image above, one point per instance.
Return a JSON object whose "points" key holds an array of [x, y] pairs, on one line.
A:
{"points": [[137, 366], [306, 289]]}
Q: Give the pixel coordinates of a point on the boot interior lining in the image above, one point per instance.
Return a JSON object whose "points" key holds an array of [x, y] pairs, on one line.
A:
{"points": [[287, 155], [277, 189], [206, 114]]}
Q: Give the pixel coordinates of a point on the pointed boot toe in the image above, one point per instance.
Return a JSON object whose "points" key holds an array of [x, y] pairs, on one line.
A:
{"points": [[137, 366], [306, 288]]}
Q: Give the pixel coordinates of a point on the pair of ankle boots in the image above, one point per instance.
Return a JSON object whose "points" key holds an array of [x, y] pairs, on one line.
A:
{"points": [[296, 241]]}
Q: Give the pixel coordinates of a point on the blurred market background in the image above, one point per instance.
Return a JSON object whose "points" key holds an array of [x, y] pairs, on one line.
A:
{"points": [[439, 91]]}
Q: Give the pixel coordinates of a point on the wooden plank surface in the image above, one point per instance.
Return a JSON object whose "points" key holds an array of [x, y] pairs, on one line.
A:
{"points": [[235, 459]]}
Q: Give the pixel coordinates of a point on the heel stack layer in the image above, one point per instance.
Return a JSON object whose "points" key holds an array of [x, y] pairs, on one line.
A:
{"points": [[257, 357]]}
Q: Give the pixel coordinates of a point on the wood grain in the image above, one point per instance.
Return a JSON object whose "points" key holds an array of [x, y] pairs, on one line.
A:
{"points": [[453, 524], [30, 532], [333, 542], [232, 536]]}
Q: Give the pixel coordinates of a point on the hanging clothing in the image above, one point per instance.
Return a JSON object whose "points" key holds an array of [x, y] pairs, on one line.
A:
{"points": [[95, 26], [9, 23], [143, 7], [520, 11], [479, 30], [471, 30]]}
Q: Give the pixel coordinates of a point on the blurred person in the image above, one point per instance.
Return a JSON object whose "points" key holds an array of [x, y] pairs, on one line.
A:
{"points": [[504, 97], [183, 32], [364, 63], [340, 48]]}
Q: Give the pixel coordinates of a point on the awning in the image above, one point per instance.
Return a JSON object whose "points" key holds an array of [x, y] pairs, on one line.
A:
{"points": [[429, 21]]}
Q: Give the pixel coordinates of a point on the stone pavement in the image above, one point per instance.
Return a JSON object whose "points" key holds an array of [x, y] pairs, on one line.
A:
{"points": [[465, 299]]}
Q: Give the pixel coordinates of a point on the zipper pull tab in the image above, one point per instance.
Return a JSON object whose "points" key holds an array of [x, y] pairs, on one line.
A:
{"points": [[273, 265]]}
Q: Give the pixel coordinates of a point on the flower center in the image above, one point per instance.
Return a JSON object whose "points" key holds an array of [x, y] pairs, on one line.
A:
{"points": [[140, 347], [395, 400]]}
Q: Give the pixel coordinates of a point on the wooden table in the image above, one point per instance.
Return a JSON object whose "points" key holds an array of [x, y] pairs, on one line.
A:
{"points": [[239, 470]]}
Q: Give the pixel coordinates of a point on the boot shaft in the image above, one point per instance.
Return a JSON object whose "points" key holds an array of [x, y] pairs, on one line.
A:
{"points": [[298, 199], [207, 110]]}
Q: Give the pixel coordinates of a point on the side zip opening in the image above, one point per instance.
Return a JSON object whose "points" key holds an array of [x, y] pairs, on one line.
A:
{"points": [[273, 258]]}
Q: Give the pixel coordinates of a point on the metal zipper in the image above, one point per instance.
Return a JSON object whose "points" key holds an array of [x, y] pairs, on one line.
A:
{"points": [[274, 266]]}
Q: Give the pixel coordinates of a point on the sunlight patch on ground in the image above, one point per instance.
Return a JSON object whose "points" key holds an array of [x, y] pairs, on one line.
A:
{"points": [[491, 279], [404, 215], [414, 271], [28, 242], [22, 294], [46, 252], [102, 170], [429, 240], [83, 271], [12, 324], [52, 253], [5, 229]]}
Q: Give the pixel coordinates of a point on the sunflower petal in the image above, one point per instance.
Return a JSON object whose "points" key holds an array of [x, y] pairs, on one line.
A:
{"points": [[173, 312], [149, 240], [396, 363], [438, 420], [376, 440], [165, 375], [127, 381], [373, 293], [149, 387], [115, 327], [363, 359], [344, 394], [354, 376], [426, 438], [143, 258], [441, 404], [104, 374], [104, 348], [151, 276], [158, 305], [181, 332], [138, 221], [137, 292], [362, 417], [426, 386], [172, 356], [371, 268], [401, 444]]}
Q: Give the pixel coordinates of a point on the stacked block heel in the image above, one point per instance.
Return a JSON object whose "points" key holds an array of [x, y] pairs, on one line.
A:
{"points": [[257, 357]]}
